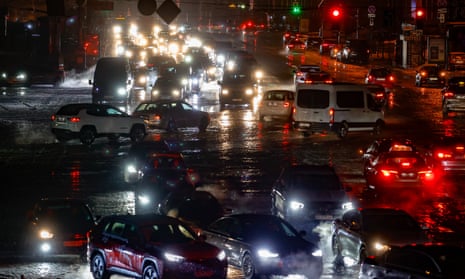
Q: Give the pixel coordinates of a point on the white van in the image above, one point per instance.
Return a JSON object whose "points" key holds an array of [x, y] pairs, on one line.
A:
{"points": [[337, 107]]}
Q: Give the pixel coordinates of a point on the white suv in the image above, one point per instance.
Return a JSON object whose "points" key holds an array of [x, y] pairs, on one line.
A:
{"points": [[87, 121]]}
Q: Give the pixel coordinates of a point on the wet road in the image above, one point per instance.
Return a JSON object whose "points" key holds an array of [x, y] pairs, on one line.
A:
{"points": [[238, 158]]}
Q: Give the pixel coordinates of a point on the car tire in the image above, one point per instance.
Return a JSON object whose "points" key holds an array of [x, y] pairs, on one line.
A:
{"points": [[137, 133], [98, 267], [203, 124], [248, 267], [150, 272], [343, 130], [87, 135]]}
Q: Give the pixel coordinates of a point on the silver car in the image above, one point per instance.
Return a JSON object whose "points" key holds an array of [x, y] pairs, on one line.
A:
{"points": [[276, 103]]}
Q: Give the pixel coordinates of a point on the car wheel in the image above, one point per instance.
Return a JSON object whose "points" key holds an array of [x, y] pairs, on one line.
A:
{"points": [[98, 267], [248, 267], [61, 138], [137, 133], [343, 130], [87, 135], [203, 124], [150, 272]]}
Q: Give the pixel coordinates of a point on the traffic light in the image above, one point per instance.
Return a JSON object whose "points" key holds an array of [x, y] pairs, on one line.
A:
{"points": [[419, 18], [296, 9]]}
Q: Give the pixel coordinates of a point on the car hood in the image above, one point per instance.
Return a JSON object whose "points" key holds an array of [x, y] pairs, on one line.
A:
{"points": [[283, 245], [188, 250]]}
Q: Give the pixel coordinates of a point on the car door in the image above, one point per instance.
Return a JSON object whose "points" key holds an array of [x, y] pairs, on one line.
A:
{"points": [[114, 244], [131, 253], [278, 195], [117, 121], [405, 263], [349, 237]]}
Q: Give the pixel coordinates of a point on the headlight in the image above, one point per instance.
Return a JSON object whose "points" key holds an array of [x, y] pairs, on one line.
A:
{"points": [[4, 75], [155, 92], [317, 253], [221, 255], [259, 74], [225, 92], [184, 81], [143, 199], [347, 206], [45, 234], [131, 169], [21, 76], [121, 91], [173, 257], [249, 91], [142, 79], [175, 92], [380, 246], [295, 205], [265, 253]]}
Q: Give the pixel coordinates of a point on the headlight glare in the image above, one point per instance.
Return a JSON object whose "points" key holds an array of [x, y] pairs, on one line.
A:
{"points": [[173, 257], [144, 199], [221, 256], [296, 205], [347, 206], [265, 253], [45, 234]]}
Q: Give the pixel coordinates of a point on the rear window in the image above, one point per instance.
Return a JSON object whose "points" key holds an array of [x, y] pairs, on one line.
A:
{"points": [[72, 109], [350, 99], [278, 96], [311, 98]]}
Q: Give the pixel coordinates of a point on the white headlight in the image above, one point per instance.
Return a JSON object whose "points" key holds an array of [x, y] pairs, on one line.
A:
{"points": [[347, 206], [317, 253], [173, 258], [143, 199], [155, 92], [295, 205], [121, 91], [45, 234], [225, 92], [249, 91], [221, 256], [380, 246], [131, 169], [176, 92], [265, 253]]}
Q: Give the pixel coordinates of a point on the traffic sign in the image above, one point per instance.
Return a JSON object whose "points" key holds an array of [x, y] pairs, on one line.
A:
{"points": [[168, 11], [371, 9]]}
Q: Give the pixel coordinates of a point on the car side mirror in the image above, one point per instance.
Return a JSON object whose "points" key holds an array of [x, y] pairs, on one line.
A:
{"points": [[90, 82]]}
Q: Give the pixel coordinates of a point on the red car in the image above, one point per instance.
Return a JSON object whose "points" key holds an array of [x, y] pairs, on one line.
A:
{"points": [[151, 246]]}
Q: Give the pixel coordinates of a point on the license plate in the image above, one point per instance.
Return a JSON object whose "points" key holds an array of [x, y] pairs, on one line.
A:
{"points": [[304, 124], [237, 100], [460, 96], [61, 119], [74, 243], [433, 78]]}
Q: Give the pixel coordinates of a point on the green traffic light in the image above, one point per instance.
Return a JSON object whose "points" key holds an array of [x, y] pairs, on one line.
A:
{"points": [[296, 10]]}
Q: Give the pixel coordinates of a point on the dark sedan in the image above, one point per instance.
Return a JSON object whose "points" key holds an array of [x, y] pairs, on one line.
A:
{"points": [[430, 74], [261, 244], [416, 261], [171, 115], [151, 246]]}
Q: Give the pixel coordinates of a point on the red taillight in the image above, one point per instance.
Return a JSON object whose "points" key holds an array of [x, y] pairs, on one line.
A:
{"points": [[426, 175], [406, 164], [53, 117], [370, 78], [391, 78], [460, 148], [443, 155], [74, 119], [388, 173], [331, 116], [286, 104], [328, 81], [379, 95], [448, 94], [300, 74], [308, 81]]}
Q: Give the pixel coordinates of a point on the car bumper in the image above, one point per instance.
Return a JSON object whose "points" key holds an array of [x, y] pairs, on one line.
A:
{"points": [[296, 264], [455, 105]]}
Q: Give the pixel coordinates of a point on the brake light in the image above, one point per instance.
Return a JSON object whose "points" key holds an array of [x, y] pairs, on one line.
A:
{"points": [[300, 74], [286, 104], [460, 148], [405, 164], [328, 81], [53, 117], [370, 77], [443, 155], [379, 95], [388, 173], [331, 116], [427, 175], [308, 81], [391, 78], [75, 119], [448, 94]]}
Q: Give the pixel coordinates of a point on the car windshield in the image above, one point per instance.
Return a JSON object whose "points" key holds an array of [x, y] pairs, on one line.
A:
{"points": [[380, 72], [257, 228], [389, 223], [316, 182], [168, 233], [64, 214]]}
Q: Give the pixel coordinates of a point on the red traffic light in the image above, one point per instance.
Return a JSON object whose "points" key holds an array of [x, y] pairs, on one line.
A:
{"points": [[336, 12]]}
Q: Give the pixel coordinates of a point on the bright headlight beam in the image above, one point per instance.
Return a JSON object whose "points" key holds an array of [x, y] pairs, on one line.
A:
{"points": [[265, 253], [295, 205]]}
